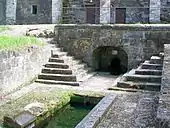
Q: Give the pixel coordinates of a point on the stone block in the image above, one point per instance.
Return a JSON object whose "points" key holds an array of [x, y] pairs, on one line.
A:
{"points": [[22, 120]]}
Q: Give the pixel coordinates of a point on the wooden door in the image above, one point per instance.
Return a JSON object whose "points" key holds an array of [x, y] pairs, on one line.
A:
{"points": [[120, 15], [90, 14]]}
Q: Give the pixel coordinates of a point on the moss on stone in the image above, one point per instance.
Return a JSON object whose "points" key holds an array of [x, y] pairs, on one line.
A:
{"points": [[60, 97]]}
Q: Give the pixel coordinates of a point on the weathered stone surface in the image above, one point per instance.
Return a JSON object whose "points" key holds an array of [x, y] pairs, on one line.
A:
{"points": [[40, 33], [97, 113], [2, 11], [82, 40], [75, 11], [56, 11], [35, 108], [154, 15], [20, 12], [105, 11], [11, 6], [24, 12], [21, 120], [17, 68], [131, 110], [163, 113]]}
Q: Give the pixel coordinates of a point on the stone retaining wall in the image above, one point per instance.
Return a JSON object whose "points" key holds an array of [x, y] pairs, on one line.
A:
{"points": [[17, 68], [139, 42], [163, 113]]}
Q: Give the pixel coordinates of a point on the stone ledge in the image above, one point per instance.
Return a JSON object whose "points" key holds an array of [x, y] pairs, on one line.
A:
{"points": [[96, 114], [134, 27]]}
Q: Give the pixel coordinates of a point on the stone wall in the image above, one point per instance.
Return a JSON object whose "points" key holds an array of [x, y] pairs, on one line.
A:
{"points": [[2, 12], [163, 113], [20, 11], [136, 10], [24, 12], [165, 11], [137, 41], [11, 6], [154, 15], [73, 11], [105, 11], [17, 68], [56, 11]]}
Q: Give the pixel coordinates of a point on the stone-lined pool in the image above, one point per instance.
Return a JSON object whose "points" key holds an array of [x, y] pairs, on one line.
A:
{"points": [[69, 116]]}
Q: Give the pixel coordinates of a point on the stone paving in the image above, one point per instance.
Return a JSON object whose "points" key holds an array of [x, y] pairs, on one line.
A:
{"points": [[132, 110], [98, 83]]}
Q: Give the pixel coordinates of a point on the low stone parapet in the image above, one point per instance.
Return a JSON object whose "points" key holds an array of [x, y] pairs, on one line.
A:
{"points": [[163, 112], [97, 113]]}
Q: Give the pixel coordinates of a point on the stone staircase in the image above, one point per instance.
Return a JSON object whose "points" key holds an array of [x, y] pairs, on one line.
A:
{"points": [[63, 69], [147, 76]]}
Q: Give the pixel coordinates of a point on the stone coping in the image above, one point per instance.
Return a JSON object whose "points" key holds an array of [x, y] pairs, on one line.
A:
{"points": [[133, 27], [96, 114]]}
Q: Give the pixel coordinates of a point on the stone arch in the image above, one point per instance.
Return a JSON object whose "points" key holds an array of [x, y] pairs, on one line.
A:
{"points": [[110, 59]]}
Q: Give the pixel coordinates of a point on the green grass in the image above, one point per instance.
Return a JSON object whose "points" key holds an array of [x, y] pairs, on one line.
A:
{"points": [[17, 43], [4, 28]]}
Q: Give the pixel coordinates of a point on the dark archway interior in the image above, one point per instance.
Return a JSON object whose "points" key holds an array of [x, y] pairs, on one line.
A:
{"points": [[110, 59]]}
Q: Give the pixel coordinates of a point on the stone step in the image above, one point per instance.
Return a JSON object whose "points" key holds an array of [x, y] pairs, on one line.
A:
{"points": [[57, 77], [57, 82], [81, 74], [74, 62], [151, 66], [156, 60], [148, 72], [78, 67], [144, 78], [147, 61], [58, 60], [56, 71], [56, 65], [54, 50], [59, 54], [139, 85]]}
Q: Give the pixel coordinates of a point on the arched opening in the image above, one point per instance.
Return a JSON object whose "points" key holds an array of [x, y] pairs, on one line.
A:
{"points": [[110, 59]]}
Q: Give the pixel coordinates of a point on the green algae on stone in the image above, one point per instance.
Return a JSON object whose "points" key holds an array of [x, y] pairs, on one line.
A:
{"points": [[16, 106], [70, 116]]}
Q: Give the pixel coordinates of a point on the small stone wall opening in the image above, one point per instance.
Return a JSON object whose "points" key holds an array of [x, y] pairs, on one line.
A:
{"points": [[110, 59]]}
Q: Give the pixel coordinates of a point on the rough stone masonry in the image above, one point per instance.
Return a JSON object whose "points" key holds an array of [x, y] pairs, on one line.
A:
{"points": [[138, 42], [84, 11], [30, 12]]}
